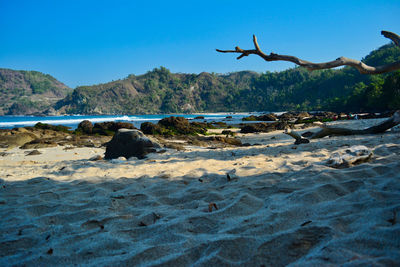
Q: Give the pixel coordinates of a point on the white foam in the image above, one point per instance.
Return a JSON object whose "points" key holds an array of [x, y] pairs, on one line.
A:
{"points": [[68, 121]]}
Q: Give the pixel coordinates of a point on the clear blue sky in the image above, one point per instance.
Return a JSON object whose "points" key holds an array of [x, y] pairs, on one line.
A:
{"points": [[88, 42]]}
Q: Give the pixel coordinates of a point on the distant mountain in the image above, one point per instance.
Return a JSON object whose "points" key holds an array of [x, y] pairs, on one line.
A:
{"points": [[29, 92]]}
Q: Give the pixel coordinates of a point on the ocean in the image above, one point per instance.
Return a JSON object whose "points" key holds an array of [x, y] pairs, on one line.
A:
{"points": [[9, 122]]}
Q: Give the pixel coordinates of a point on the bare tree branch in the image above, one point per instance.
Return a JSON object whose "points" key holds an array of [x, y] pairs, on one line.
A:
{"points": [[331, 131], [342, 61]]}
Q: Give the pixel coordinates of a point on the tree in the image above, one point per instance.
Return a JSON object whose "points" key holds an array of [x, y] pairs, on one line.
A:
{"points": [[373, 92], [341, 61]]}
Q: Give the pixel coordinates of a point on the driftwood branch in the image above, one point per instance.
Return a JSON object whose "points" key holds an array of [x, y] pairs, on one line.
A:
{"points": [[341, 61], [337, 131]]}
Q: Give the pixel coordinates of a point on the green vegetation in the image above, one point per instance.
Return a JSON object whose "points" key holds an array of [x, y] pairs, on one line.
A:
{"points": [[57, 128], [160, 91], [28, 92]]}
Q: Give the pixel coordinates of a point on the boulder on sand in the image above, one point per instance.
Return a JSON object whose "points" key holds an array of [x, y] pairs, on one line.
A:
{"points": [[130, 143]]}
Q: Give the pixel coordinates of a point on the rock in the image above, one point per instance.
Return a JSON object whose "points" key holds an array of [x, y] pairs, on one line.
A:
{"points": [[21, 130], [250, 118], [348, 157], [257, 127], [16, 140], [38, 143], [130, 143], [227, 140], [85, 127], [228, 133], [287, 116], [57, 128], [199, 118], [180, 125], [96, 157], [110, 127], [267, 117], [307, 134], [34, 152], [150, 128]]}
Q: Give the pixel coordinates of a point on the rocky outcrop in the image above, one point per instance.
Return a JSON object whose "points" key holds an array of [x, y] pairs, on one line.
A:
{"points": [[103, 128], [85, 127], [130, 143], [265, 127], [171, 126]]}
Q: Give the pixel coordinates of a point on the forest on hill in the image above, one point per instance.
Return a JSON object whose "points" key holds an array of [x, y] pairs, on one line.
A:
{"points": [[160, 91], [29, 92]]}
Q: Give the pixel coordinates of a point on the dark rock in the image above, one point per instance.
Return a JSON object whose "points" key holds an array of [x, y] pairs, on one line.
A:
{"points": [[301, 141], [199, 118], [219, 124], [281, 125], [110, 127], [33, 152], [307, 134], [257, 127], [150, 128], [250, 118], [85, 127], [267, 117], [228, 132], [225, 140], [39, 143], [288, 116], [130, 143], [180, 125], [57, 128]]}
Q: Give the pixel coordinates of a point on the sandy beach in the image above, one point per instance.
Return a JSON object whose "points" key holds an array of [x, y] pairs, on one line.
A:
{"points": [[269, 204]]}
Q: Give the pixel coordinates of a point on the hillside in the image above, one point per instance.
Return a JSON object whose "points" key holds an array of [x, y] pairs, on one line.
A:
{"points": [[29, 92], [160, 91]]}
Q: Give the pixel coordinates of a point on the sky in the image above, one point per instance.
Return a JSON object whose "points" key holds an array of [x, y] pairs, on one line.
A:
{"points": [[90, 42]]}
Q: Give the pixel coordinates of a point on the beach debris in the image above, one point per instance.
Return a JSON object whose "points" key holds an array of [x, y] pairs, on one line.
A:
{"points": [[339, 131], [34, 152], [348, 157], [130, 143], [211, 206]]}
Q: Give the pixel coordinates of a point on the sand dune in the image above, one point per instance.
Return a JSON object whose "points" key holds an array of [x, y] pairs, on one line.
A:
{"points": [[282, 205]]}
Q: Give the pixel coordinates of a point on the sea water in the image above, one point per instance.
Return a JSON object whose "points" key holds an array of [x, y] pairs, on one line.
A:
{"points": [[8, 122]]}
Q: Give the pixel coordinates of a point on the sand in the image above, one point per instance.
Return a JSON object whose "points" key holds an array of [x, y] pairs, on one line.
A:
{"points": [[282, 204]]}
